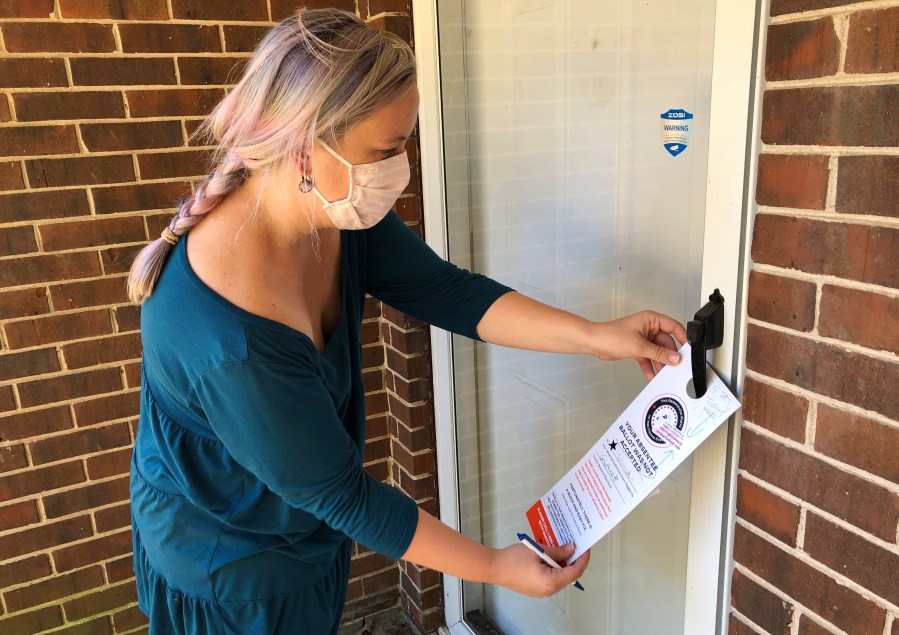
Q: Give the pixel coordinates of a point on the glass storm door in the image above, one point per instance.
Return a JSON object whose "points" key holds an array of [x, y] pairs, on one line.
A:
{"points": [[575, 141]]}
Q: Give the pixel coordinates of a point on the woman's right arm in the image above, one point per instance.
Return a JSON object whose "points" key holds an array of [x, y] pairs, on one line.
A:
{"points": [[437, 546]]}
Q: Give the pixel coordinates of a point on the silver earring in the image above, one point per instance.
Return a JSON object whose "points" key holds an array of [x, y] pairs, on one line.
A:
{"points": [[305, 185]]}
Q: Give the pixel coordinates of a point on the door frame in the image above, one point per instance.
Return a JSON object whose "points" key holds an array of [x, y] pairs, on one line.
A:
{"points": [[737, 51]]}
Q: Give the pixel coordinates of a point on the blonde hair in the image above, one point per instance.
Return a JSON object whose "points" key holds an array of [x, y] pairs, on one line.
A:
{"points": [[315, 74]]}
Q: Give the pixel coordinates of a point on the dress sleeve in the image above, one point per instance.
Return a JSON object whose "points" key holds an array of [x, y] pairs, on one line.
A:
{"points": [[404, 272], [279, 422]]}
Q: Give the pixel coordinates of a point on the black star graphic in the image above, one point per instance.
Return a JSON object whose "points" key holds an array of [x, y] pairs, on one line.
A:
{"points": [[613, 444]]}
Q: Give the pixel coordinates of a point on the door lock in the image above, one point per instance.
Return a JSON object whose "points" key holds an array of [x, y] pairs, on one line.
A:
{"points": [[705, 331]]}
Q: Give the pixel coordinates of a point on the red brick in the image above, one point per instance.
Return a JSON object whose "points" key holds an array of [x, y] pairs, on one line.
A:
{"points": [[32, 622], [127, 318], [873, 43], [92, 233], [40, 205], [28, 363], [91, 551], [210, 70], [58, 328], [98, 626], [416, 464], [122, 71], [55, 588], [246, 11], [23, 141], [170, 38], [12, 457], [858, 501], [109, 464], [86, 441], [86, 497], [118, 10], [89, 293], [792, 181], [108, 408], [35, 423], [32, 72], [400, 319], [142, 196], [121, 569], [26, 570], [18, 515], [859, 317], [43, 536], [30, 482], [79, 171], [370, 563], [808, 627], [416, 440], [372, 356], [410, 391], [99, 602], [413, 417], [168, 165], [7, 400], [408, 342], [242, 38], [393, 6], [4, 108], [15, 241], [815, 590], [11, 176], [396, 24], [71, 386], [856, 252], [418, 488], [826, 369], [26, 9], [285, 8], [868, 185], [801, 50], [70, 37], [782, 301], [860, 560], [858, 441], [767, 511], [129, 618], [832, 116], [50, 268], [102, 351], [408, 367], [781, 7], [114, 517], [139, 135], [23, 302], [69, 105], [180, 102], [119, 259]]}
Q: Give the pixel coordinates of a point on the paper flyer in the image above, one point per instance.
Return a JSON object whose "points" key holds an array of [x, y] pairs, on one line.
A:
{"points": [[653, 435]]}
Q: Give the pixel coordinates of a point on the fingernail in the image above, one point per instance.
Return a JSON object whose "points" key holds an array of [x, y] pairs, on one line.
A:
{"points": [[673, 358]]}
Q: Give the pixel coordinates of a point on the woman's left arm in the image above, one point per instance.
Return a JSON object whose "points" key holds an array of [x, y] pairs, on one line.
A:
{"points": [[518, 321]]}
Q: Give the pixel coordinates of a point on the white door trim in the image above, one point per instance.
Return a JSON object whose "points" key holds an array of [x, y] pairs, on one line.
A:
{"points": [[724, 253]]}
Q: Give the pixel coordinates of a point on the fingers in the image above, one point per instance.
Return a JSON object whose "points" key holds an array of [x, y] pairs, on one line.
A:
{"points": [[560, 554], [672, 327], [571, 573]]}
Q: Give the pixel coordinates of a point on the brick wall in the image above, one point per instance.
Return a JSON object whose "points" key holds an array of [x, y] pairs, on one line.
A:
{"points": [[818, 491], [97, 99]]}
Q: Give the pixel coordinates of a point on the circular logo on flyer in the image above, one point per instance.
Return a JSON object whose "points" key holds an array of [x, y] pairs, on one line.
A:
{"points": [[664, 421]]}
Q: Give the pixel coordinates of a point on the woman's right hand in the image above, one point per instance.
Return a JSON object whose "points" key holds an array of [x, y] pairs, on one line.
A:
{"points": [[519, 569]]}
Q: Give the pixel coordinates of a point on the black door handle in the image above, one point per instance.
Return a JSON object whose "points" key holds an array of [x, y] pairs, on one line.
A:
{"points": [[705, 331]]}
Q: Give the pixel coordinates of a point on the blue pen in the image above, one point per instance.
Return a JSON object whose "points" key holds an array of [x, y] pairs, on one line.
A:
{"points": [[528, 542]]}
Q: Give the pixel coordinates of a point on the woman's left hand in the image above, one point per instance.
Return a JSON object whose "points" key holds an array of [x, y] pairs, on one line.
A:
{"points": [[647, 336]]}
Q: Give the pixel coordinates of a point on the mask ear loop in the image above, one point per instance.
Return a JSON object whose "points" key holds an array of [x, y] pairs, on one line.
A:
{"points": [[349, 166]]}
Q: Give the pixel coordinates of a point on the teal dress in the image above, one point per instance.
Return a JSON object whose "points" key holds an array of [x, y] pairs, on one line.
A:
{"points": [[246, 481]]}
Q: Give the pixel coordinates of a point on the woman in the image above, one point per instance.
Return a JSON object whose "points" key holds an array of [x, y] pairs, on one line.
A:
{"points": [[247, 482]]}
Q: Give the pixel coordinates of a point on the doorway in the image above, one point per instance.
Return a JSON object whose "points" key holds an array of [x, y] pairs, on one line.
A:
{"points": [[575, 144]]}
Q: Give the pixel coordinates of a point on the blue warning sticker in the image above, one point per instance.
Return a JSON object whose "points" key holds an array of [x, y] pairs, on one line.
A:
{"points": [[677, 130]]}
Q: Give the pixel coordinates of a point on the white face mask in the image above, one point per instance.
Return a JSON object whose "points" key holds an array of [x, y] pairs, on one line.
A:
{"points": [[374, 187]]}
